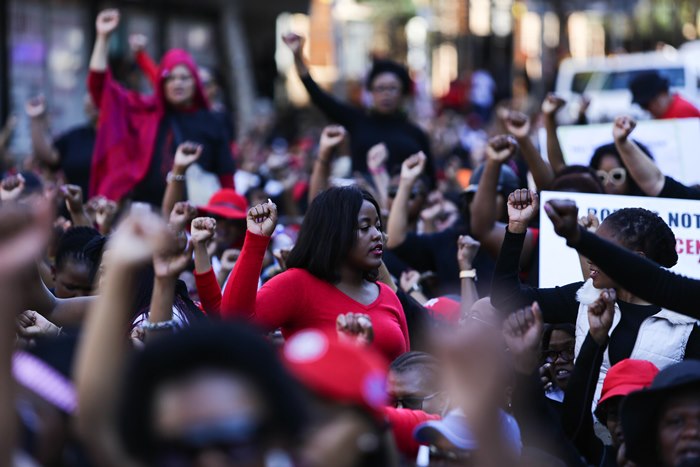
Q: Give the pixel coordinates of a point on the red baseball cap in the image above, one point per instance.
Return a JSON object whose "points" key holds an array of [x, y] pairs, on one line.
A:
{"points": [[626, 376], [444, 309], [338, 371], [226, 203]]}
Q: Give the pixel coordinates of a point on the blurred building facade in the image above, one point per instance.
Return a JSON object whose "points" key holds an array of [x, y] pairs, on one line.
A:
{"points": [[45, 44], [443, 40], [45, 47]]}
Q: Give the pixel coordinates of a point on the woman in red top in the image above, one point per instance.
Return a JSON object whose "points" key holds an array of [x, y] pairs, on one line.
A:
{"points": [[332, 270], [137, 135]]}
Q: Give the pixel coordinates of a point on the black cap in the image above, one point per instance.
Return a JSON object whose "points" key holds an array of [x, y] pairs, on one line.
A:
{"points": [[641, 409], [646, 86], [508, 181]]}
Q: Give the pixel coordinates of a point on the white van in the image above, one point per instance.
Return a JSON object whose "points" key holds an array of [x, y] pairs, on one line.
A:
{"points": [[605, 80]]}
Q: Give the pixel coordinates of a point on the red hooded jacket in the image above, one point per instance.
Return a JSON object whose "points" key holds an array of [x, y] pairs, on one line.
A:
{"points": [[128, 127]]}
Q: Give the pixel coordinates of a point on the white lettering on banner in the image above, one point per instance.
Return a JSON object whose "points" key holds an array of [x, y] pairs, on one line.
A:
{"points": [[559, 264], [673, 143]]}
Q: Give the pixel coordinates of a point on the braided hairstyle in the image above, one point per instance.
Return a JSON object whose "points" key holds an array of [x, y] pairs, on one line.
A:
{"points": [[81, 245], [639, 229], [414, 360]]}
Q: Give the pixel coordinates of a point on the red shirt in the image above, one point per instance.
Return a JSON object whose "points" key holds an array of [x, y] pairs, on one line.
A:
{"points": [[296, 300], [209, 292], [681, 108]]}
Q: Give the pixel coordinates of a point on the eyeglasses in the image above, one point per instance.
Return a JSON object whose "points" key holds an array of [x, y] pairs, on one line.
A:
{"points": [[239, 439], [386, 89], [551, 356], [455, 455], [416, 192], [616, 176], [413, 403]]}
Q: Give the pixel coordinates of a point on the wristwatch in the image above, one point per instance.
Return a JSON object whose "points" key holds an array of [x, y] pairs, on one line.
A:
{"points": [[468, 274]]}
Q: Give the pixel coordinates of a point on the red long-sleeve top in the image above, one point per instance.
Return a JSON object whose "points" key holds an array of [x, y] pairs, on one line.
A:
{"points": [[296, 300], [148, 66], [209, 292]]}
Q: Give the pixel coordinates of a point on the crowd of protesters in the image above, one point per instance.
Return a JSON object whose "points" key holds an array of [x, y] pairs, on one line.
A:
{"points": [[362, 295]]}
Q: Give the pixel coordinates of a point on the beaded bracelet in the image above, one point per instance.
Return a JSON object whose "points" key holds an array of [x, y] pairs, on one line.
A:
{"points": [[159, 326], [175, 177]]}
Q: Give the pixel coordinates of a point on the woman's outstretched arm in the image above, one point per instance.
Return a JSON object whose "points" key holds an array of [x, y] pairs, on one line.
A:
{"points": [[106, 23], [334, 109], [635, 273]]}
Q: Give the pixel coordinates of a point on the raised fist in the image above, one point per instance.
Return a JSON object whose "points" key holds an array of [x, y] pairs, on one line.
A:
{"points": [[409, 280], [181, 215], [467, 248], [35, 107], [74, 198], [331, 137], [522, 208], [186, 154], [589, 222], [551, 104], [518, 124], [11, 187], [137, 42], [564, 216], [413, 167], [107, 21], [522, 331], [262, 219], [229, 258], [501, 148], [377, 157], [355, 328], [295, 42], [622, 128], [601, 314], [203, 229]]}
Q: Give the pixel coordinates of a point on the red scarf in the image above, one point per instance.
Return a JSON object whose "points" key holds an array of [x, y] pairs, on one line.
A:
{"points": [[128, 127]]}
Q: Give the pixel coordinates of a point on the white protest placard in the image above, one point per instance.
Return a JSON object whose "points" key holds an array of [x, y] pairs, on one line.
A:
{"points": [[559, 264], [674, 144]]}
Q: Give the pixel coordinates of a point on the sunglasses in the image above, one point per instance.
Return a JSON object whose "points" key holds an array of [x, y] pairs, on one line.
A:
{"points": [[238, 439], [550, 356], [413, 403], [616, 176]]}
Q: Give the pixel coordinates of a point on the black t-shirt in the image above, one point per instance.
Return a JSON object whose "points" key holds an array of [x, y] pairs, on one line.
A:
{"points": [[201, 127], [437, 252], [401, 137], [75, 152], [675, 189]]}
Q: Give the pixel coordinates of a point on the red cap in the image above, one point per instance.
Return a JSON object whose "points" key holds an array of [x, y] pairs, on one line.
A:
{"points": [[338, 371], [444, 309], [627, 376], [226, 203]]}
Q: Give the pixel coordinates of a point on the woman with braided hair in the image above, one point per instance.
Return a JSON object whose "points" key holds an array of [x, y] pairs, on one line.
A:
{"points": [[78, 257], [638, 328], [641, 276]]}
